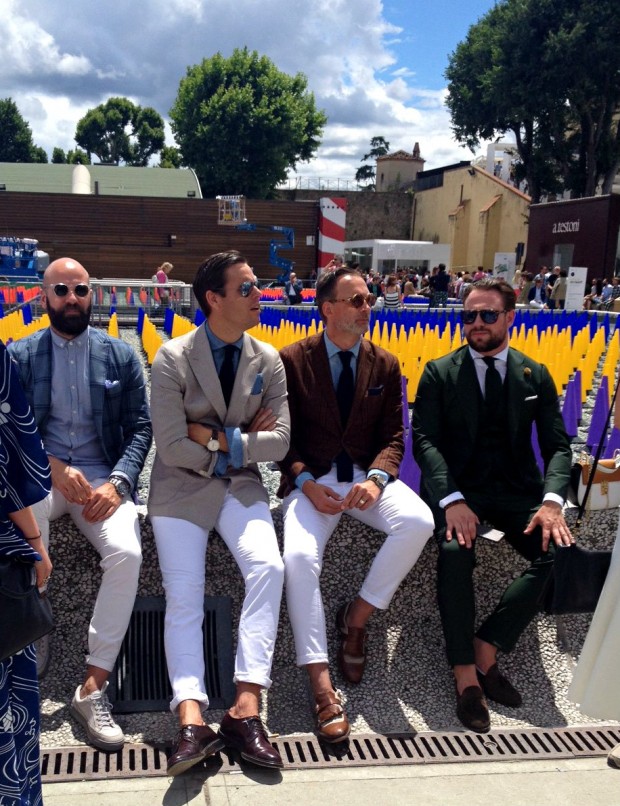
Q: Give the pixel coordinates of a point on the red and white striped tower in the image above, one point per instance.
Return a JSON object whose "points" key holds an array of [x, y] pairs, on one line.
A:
{"points": [[332, 220]]}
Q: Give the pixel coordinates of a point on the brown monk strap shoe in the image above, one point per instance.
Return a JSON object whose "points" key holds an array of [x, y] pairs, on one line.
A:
{"points": [[249, 737], [332, 724], [498, 687], [193, 743], [352, 647], [471, 709]]}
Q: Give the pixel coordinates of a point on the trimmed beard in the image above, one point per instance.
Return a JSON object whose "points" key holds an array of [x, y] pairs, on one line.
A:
{"points": [[70, 325]]}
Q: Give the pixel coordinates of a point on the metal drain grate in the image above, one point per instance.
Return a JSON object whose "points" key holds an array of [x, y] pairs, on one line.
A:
{"points": [[363, 750], [140, 682]]}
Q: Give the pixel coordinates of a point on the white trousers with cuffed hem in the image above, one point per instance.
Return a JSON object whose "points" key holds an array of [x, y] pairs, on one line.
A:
{"points": [[181, 545], [408, 523], [117, 541]]}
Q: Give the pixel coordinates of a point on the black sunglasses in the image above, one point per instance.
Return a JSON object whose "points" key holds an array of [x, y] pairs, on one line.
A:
{"points": [[61, 290], [488, 316], [246, 287], [358, 300]]}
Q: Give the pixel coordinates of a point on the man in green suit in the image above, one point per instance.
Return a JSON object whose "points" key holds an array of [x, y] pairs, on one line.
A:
{"points": [[472, 422]]}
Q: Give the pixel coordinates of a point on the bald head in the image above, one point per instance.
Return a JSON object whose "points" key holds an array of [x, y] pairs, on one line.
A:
{"points": [[67, 297], [69, 268]]}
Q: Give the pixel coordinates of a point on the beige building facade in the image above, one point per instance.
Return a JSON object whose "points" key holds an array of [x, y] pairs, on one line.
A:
{"points": [[473, 211], [398, 170]]}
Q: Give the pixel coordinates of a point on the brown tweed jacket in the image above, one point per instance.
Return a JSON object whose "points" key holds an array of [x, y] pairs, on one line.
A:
{"points": [[373, 436]]}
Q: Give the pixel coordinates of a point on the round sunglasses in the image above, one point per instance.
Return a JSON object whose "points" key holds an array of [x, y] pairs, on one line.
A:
{"points": [[61, 290], [488, 316]]}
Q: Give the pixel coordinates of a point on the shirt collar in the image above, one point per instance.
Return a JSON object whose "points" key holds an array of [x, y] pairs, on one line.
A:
{"points": [[217, 343], [501, 356], [79, 341], [333, 350]]}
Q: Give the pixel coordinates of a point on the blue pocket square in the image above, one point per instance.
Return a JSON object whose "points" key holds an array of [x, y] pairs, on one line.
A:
{"points": [[375, 390], [111, 384], [258, 385]]}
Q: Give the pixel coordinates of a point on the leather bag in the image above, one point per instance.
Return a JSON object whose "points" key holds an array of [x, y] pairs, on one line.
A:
{"points": [[605, 488], [576, 581], [25, 614]]}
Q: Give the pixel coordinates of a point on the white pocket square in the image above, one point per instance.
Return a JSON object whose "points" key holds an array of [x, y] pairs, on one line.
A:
{"points": [[111, 384], [531, 397]]}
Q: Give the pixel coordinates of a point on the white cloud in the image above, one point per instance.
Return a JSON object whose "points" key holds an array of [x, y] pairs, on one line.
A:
{"points": [[66, 58]]}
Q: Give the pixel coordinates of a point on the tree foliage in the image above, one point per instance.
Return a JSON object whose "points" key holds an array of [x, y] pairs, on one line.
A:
{"points": [[170, 157], [16, 136], [118, 132], [547, 71], [379, 147], [241, 124]]}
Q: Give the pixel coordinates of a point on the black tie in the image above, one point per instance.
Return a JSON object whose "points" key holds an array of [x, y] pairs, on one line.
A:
{"points": [[492, 385], [344, 393], [227, 372]]}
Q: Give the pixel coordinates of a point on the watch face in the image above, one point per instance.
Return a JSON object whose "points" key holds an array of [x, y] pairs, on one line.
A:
{"points": [[213, 445]]}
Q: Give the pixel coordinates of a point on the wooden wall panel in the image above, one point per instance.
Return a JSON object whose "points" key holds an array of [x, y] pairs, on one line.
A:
{"points": [[128, 237]]}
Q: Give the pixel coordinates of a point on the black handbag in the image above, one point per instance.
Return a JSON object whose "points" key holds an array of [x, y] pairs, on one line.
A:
{"points": [[576, 581], [25, 614]]}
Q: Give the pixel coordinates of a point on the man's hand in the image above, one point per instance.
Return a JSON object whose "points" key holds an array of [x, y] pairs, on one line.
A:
{"points": [[462, 521], [70, 481], [325, 500], [550, 518], [264, 420], [361, 496], [103, 502]]}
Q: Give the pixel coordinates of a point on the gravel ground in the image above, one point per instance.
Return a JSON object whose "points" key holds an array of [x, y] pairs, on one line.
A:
{"points": [[407, 685]]}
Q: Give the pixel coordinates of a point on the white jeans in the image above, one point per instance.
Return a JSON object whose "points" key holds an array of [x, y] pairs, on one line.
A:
{"points": [[181, 545], [399, 512], [117, 541]]}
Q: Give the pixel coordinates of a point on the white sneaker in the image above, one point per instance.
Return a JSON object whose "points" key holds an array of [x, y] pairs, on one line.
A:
{"points": [[613, 758], [94, 713]]}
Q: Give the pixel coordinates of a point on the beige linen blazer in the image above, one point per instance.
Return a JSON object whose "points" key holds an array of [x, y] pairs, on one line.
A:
{"points": [[185, 388]]}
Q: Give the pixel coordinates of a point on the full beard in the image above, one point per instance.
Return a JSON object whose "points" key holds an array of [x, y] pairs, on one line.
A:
{"points": [[70, 325]]}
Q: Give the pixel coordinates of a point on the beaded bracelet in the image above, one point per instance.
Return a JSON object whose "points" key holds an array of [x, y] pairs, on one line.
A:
{"points": [[454, 503], [32, 539]]}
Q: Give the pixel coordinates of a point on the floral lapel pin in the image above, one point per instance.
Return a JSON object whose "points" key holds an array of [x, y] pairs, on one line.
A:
{"points": [[527, 372]]}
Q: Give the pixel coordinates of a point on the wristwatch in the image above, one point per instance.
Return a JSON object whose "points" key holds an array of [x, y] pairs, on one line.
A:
{"points": [[121, 486], [213, 444], [378, 480]]}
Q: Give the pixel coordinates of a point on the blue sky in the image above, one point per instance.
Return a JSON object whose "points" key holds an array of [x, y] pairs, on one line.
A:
{"points": [[376, 68]]}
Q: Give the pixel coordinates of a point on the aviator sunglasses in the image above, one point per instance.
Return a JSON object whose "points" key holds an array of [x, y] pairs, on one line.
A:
{"points": [[488, 316], [358, 300], [246, 288], [61, 290]]}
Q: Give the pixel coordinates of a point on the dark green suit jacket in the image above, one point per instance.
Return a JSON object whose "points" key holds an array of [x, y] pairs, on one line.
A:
{"points": [[449, 410]]}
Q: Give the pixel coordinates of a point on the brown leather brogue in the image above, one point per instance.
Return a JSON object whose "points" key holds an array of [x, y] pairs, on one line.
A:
{"points": [[249, 737], [193, 743]]}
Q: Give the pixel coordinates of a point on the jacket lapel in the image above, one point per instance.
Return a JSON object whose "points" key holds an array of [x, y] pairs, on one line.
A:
{"points": [[466, 395]]}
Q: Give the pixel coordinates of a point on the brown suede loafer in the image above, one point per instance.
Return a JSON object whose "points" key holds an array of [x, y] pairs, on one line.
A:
{"points": [[352, 648], [193, 743], [471, 709], [249, 737], [332, 724], [498, 687]]}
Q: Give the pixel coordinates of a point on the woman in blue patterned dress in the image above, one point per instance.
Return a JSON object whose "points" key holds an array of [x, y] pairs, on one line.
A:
{"points": [[24, 480]]}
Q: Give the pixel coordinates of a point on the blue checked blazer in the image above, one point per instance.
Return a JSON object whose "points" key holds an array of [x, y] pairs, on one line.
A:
{"points": [[117, 390]]}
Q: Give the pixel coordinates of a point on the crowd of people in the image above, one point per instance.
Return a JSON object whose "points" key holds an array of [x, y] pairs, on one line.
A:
{"points": [[328, 411]]}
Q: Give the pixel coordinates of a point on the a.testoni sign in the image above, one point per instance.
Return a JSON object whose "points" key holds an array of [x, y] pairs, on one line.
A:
{"points": [[565, 226]]}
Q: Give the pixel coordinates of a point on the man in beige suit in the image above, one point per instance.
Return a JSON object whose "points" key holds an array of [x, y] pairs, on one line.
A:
{"points": [[218, 407]]}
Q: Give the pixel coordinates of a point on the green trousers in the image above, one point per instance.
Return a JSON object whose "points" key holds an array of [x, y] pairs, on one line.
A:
{"points": [[455, 589]]}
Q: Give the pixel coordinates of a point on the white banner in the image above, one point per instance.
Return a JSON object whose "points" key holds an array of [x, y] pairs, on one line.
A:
{"points": [[575, 288]]}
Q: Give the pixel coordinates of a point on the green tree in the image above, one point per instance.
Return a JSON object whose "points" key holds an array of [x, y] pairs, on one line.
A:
{"points": [[118, 131], [241, 124], [379, 147], [77, 156], [58, 156], [170, 157], [16, 136], [546, 71]]}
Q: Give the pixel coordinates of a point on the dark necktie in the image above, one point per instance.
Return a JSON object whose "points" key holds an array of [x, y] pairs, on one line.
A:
{"points": [[227, 372], [492, 385], [344, 394]]}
